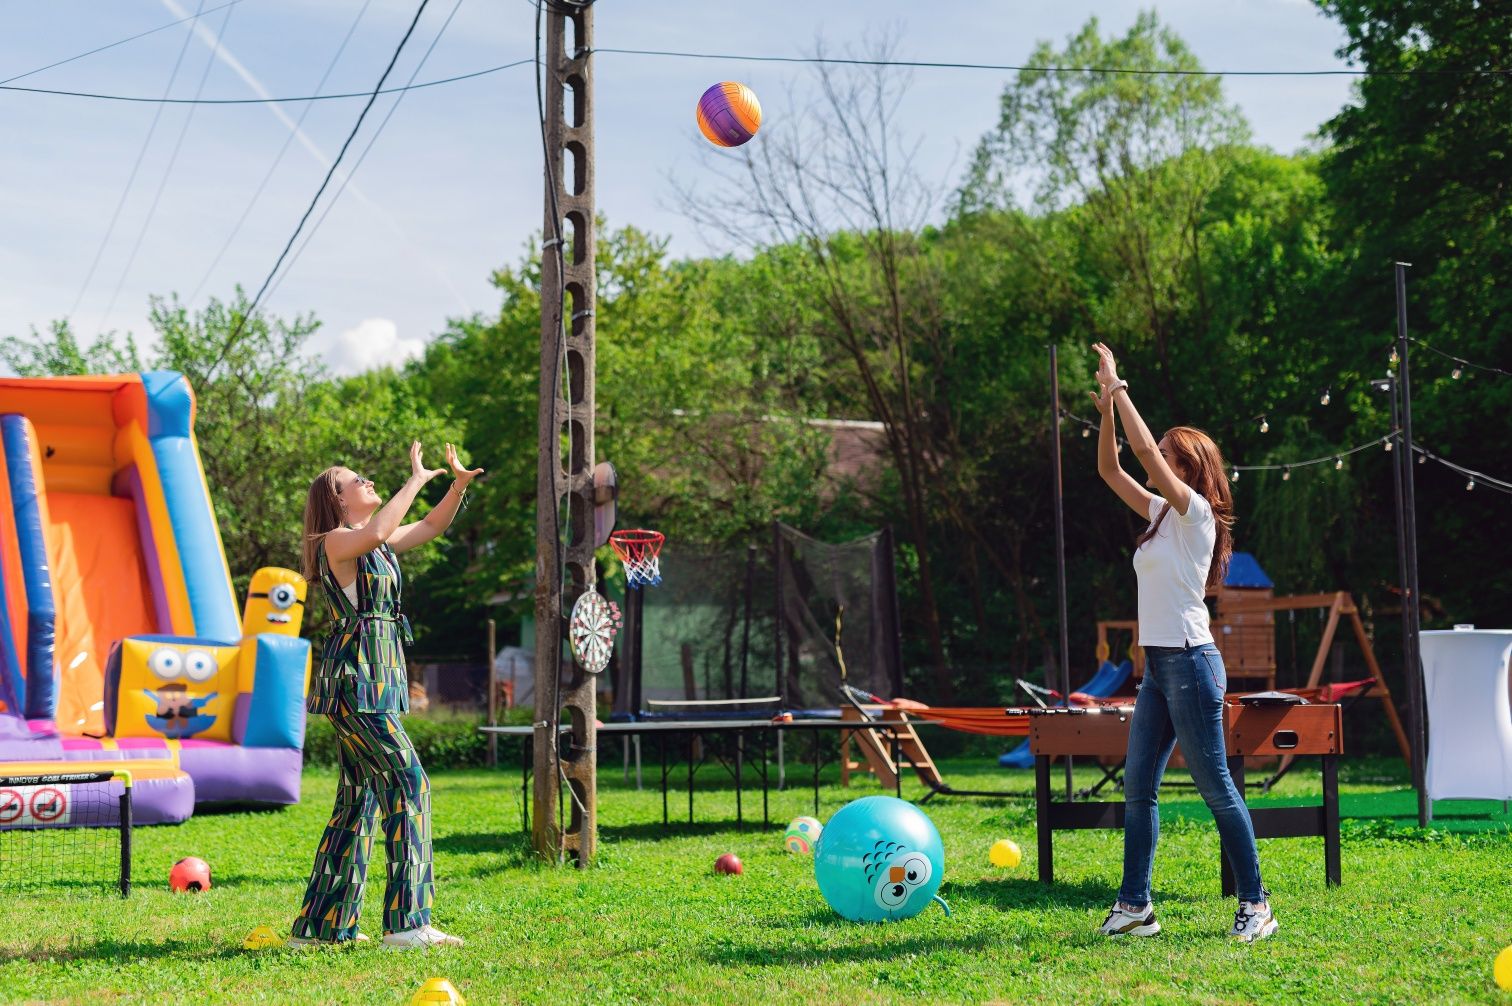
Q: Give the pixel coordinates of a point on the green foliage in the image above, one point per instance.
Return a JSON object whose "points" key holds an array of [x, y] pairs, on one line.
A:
{"points": [[59, 353], [1417, 171], [443, 741]]}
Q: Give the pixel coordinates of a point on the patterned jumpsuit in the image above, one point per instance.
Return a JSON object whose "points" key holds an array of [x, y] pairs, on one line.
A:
{"points": [[362, 686]]}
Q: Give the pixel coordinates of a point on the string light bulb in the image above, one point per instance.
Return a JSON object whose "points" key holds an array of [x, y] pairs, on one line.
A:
{"points": [[1338, 463], [1234, 476], [1455, 373], [1395, 359], [1422, 459], [1264, 425], [1387, 442], [1469, 485], [1286, 475], [1326, 396], [1086, 432]]}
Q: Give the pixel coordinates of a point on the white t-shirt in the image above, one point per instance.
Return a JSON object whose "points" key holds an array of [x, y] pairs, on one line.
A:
{"points": [[1172, 568]]}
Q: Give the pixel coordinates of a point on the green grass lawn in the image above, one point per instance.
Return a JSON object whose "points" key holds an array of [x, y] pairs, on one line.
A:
{"points": [[1419, 919]]}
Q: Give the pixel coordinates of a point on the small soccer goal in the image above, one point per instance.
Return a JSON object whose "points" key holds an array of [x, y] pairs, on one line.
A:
{"points": [[69, 830]]}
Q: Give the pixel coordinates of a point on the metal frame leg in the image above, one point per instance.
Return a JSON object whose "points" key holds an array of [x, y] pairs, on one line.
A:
{"points": [[1042, 819], [1331, 857]]}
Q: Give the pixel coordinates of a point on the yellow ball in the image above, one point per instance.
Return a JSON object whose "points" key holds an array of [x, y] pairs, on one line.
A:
{"points": [[1503, 969], [1004, 853]]}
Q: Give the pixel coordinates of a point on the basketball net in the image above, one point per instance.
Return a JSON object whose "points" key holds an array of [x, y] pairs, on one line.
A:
{"points": [[639, 551]]}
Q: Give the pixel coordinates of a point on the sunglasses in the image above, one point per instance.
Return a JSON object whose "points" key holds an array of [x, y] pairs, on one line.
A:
{"points": [[357, 480]]}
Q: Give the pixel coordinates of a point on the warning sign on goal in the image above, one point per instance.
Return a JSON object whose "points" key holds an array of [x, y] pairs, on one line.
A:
{"points": [[21, 806]]}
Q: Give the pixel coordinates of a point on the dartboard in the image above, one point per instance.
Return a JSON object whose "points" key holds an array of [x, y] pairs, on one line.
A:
{"points": [[594, 624]]}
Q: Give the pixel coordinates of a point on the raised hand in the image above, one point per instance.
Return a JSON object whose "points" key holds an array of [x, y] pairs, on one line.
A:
{"points": [[461, 474], [1103, 401], [1107, 368], [417, 466]]}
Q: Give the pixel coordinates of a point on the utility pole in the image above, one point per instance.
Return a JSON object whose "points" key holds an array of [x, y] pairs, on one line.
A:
{"points": [[564, 758]]}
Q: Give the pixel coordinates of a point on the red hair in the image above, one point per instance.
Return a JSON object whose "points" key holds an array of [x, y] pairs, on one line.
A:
{"points": [[1205, 471]]}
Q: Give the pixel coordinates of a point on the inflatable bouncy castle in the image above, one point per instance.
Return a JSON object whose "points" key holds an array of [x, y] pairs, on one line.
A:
{"points": [[120, 639]]}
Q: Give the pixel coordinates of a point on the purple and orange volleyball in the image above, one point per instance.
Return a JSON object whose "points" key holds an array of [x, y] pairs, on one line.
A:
{"points": [[729, 114]]}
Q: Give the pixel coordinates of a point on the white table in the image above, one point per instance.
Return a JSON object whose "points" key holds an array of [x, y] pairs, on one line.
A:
{"points": [[1469, 714]]}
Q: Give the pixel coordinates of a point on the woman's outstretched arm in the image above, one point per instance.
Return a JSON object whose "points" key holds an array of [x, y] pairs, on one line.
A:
{"points": [[349, 543], [1175, 491], [435, 523], [1120, 481]]}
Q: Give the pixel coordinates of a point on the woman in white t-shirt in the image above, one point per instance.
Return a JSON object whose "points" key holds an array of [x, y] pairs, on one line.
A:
{"points": [[1183, 553]]}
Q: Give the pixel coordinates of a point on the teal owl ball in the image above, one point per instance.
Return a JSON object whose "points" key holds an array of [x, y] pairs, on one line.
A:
{"points": [[880, 859]]}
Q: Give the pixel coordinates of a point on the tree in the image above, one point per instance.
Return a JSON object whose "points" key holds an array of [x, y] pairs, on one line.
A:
{"points": [[1420, 170], [838, 187], [1129, 156]]}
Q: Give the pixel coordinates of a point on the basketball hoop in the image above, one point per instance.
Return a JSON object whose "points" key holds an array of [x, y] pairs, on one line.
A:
{"points": [[639, 551]]}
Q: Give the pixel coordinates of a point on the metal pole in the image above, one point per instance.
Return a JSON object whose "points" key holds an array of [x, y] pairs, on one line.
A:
{"points": [[565, 570], [1404, 458], [1413, 661], [493, 698], [1060, 540]]}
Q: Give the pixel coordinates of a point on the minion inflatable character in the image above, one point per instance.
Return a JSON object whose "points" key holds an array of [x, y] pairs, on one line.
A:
{"points": [[175, 688], [178, 713], [275, 602]]}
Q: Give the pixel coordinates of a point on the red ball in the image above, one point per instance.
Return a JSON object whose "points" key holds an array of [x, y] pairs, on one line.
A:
{"points": [[728, 863], [189, 874]]}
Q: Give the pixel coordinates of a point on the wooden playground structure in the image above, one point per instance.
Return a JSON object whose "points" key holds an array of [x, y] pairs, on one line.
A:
{"points": [[1244, 631]]}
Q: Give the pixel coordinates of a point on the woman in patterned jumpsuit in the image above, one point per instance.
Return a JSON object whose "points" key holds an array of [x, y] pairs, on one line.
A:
{"points": [[351, 545]]}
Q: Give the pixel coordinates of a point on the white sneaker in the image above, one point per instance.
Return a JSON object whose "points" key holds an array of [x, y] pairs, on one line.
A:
{"points": [[1254, 921], [1124, 921], [425, 936]]}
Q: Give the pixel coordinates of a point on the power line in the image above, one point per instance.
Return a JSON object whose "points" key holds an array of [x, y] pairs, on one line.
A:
{"points": [[132, 38], [278, 159], [178, 145], [252, 308], [1024, 68], [812, 60], [140, 99], [131, 178], [346, 180]]}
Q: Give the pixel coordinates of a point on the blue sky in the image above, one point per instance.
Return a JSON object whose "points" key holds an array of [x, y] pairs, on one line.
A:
{"points": [[452, 187]]}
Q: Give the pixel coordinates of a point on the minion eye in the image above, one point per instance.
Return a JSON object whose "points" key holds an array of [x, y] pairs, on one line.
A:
{"points": [[166, 663], [199, 665], [282, 596]]}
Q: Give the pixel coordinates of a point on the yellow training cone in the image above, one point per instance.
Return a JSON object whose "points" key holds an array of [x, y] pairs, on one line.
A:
{"points": [[262, 938], [438, 990]]}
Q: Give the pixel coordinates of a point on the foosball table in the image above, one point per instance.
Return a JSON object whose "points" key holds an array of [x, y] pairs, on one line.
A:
{"points": [[1251, 730]]}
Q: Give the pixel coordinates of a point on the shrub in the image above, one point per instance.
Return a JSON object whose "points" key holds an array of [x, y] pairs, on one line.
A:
{"points": [[443, 742]]}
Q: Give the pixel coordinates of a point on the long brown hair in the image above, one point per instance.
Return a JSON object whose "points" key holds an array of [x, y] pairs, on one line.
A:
{"points": [[1203, 463], [322, 515]]}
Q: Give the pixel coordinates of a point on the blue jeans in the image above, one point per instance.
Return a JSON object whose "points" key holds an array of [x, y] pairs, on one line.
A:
{"points": [[1181, 699]]}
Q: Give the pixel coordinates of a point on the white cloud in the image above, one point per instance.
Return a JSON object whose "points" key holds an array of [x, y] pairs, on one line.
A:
{"points": [[375, 342]]}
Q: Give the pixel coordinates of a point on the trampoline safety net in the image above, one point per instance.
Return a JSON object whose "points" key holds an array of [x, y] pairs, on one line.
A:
{"points": [[758, 624]]}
